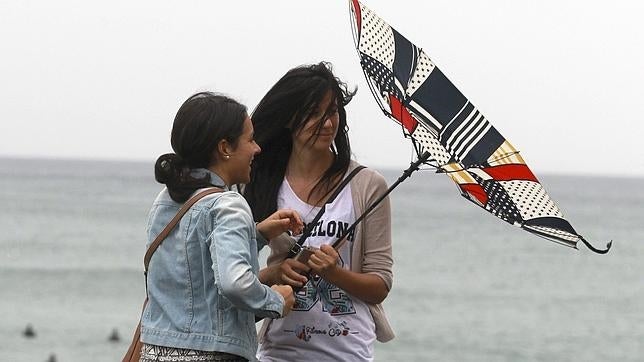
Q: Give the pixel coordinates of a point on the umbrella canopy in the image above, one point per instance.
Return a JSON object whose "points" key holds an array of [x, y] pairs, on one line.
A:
{"points": [[463, 144]]}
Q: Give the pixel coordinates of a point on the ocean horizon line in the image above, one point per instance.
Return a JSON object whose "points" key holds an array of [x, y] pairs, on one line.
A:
{"points": [[140, 161]]}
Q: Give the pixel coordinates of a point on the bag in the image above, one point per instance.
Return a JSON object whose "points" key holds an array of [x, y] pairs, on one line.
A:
{"points": [[133, 353]]}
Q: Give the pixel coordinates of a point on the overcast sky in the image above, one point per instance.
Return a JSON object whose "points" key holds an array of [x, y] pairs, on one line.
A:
{"points": [[561, 80]]}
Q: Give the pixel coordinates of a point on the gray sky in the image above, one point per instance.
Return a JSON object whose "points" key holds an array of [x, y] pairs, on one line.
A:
{"points": [[559, 79]]}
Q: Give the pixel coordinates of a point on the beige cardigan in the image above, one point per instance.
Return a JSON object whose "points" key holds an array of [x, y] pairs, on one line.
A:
{"points": [[371, 251]]}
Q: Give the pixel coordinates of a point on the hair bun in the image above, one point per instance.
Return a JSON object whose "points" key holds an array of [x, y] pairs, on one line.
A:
{"points": [[167, 169]]}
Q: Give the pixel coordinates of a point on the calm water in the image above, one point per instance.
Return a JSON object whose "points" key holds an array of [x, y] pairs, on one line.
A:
{"points": [[468, 287]]}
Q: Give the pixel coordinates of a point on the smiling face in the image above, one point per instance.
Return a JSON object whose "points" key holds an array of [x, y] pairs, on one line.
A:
{"points": [[320, 129], [237, 165]]}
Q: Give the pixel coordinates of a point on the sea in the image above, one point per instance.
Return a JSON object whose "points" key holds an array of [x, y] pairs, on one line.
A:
{"points": [[467, 286]]}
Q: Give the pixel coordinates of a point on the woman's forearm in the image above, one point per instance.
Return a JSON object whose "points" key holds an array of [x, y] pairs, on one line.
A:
{"points": [[369, 288]]}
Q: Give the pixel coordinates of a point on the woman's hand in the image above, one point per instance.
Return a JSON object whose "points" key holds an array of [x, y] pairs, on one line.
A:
{"points": [[289, 298], [279, 222], [324, 262], [289, 271], [368, 287]]}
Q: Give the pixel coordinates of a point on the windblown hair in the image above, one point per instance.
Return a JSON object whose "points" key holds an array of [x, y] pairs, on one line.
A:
{"points": [[202, 121], [284, 111]]}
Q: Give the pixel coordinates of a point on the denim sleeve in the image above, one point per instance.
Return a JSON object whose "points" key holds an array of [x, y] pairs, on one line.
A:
{"points": [[230, 246], [261, 240]]}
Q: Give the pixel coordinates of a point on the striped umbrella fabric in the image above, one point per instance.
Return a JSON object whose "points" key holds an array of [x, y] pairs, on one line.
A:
{"points": [[463, 144]]}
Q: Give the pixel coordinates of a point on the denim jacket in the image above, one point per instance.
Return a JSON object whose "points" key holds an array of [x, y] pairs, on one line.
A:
{"points": [[203, 289]]}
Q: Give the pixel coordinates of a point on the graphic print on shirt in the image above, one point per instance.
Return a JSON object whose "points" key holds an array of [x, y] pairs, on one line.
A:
{"points": [[331, 229], [334, 300], [334, 329]]}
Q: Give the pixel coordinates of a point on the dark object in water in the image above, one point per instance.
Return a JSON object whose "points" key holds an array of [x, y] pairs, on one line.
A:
{"points": [[29, 331], [52, 358], [114, 337]]}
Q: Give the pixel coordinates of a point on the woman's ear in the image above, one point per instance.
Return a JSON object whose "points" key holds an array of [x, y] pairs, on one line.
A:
{"points": [[224, 150]]}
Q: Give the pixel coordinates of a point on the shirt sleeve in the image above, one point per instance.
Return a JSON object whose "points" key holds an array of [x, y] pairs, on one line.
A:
{"points": [[230, 248]]}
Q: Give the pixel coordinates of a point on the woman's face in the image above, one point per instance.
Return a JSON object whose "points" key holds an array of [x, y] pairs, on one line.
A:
{"points": [[320, 128], [242, 155]]}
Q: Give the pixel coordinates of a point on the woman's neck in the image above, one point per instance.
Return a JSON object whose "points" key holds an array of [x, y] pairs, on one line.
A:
{"points": [[307, 164], [304, 170]]}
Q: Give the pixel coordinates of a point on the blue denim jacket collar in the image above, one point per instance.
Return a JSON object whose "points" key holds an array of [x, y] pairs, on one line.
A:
{"points": [[215, 179]]}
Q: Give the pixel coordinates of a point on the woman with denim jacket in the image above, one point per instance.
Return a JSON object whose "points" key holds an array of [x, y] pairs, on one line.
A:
{"points": [[203, 286], [301, 126]]}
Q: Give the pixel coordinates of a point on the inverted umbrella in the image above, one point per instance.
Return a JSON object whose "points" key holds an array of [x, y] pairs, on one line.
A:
{"points": [[461, 142]]}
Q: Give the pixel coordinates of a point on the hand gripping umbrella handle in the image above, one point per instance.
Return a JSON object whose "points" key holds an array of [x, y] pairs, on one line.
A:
{"points": [[303, 254]]}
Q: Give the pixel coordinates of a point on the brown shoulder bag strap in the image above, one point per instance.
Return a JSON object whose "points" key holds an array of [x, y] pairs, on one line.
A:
{"points": [[175, 220]]}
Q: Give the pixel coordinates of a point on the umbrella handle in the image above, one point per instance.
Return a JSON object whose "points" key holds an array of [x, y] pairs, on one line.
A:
{"points": [[406, 174], [302, 253], [598, 251]]}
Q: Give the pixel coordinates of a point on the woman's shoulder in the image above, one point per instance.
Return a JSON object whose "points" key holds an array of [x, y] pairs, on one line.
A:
{"points": [[367, 176], [163, 198], [226, 205], [224, 199]]}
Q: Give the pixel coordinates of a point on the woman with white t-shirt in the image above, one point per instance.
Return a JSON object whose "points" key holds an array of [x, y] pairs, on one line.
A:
{"points": [[300, 124]]}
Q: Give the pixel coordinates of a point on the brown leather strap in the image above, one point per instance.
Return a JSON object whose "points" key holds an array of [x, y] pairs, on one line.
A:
{"points": [[133, 353], [166, 231]]}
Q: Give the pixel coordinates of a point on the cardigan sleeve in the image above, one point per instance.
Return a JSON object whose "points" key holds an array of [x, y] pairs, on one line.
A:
{"points": [[375, 232]]}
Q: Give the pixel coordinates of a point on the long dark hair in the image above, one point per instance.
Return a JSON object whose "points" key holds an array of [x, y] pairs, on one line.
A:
{"points": [[202, 121], [283, 111]]}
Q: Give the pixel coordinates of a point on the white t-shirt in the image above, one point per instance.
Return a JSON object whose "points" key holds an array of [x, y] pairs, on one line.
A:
{"points": [[326, 324]]}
